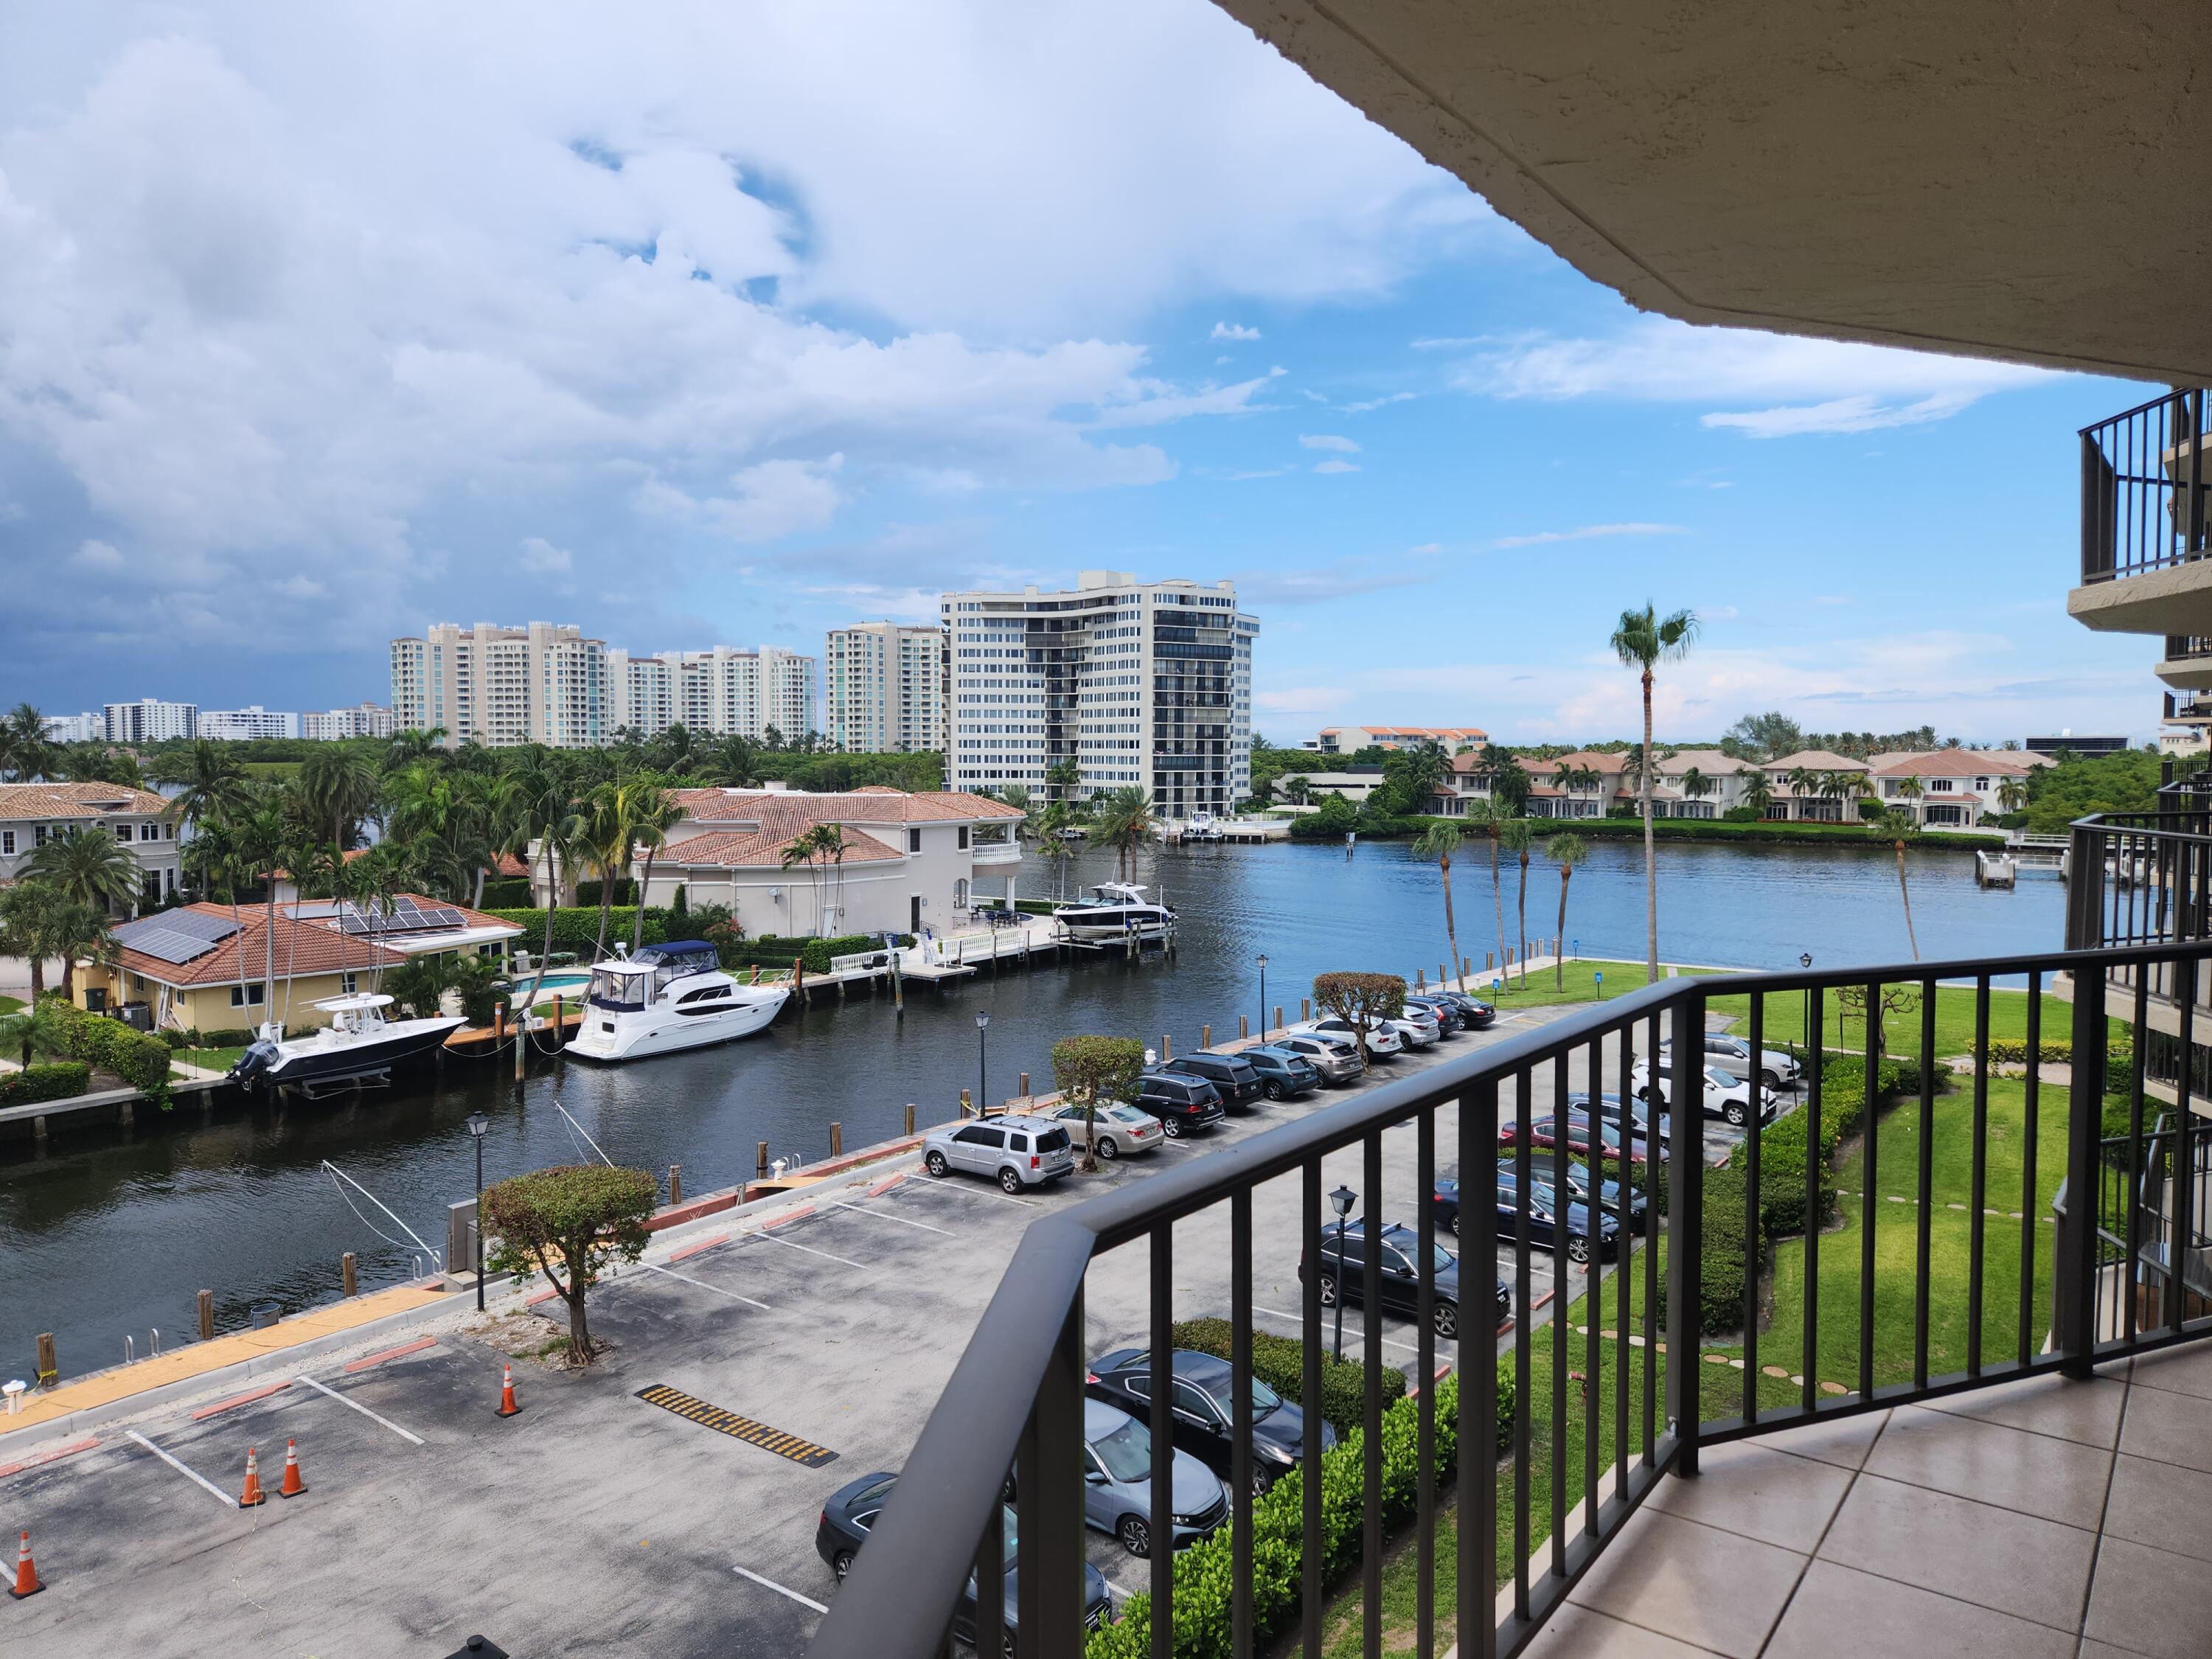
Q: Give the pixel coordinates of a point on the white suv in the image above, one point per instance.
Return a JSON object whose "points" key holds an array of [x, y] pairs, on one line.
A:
{"points": [[1724, 1095], [1015, 1154], [1732, 1053], [1382, 1040]]}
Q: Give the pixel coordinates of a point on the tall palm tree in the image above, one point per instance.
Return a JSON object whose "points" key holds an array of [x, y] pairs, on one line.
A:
{"points": [[1696, 786], [1515, 837], [1054, 847], [1759, 794], [2012, 795], [1642, 642], [1486, 816], [1439, 842], [818, 848], [261, 833], [546, 824], [87, 867], [482, 820], [37, 922], [338, 787], [1897, 827], [1910, 790], [1566, 851], [606, 838], [1840, 787], [409, 746], [25, 752], [213, 782], [1124, 819], [654, 813]]}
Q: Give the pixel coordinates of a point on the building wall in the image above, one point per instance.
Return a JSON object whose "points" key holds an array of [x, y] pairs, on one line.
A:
{"points": [[243, 724], [76, 728], [882, 689], [152, 841], [876, 897], [150, 720], [366, 720]]}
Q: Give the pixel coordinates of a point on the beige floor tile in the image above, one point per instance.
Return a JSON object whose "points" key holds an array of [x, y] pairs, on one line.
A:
{"points": [[2106, 1650], [2017, 1564], [1840, 1613], [2161, 1504], [1579, 1633], [1843, 1442], [2174, 1428], [2086, 1412], [2034, 1473], [1760, 1494], [2151, 1603], [1714, 1590], [2183, 1370]]}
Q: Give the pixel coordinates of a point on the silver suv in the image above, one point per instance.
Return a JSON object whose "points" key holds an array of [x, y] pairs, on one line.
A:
{"points": [[1014, 1154], [1336, 1058]]}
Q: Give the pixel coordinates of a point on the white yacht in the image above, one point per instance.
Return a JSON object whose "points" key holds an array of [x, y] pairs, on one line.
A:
{"points": [[666, 998], [1115, 910], [1201, 826], [358, 1042]]}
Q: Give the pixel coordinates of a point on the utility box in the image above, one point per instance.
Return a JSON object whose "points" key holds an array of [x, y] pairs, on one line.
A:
{"points": [[461, 1237]]}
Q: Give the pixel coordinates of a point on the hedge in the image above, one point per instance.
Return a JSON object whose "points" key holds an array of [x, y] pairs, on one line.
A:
{"points": [[57, 1081], [1027, 907], [587, 893], [1204, 1573], [227, 1036], [505, 889], [2119, 1055], [576, 927], [139, 1058], [1279, 1362]]}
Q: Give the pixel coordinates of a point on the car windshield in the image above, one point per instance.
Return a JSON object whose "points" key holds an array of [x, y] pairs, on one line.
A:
{"points": [[1725, 1079], [1128, 1452], [1265, 1400], [1125, 1113]]}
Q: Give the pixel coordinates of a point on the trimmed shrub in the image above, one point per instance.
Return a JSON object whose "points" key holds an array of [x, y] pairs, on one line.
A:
{"points": [[228, 1036], [1279, 1362], [57, 1081], [576, 927], [139, 1058], [506, 889], [587, 893], [2119, 1055], [176, 1040]]}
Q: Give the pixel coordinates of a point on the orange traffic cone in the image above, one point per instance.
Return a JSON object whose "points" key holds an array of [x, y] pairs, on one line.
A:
{"points": [[507, 1406], [293, 1486], [252, 1494], [26, 1575]]}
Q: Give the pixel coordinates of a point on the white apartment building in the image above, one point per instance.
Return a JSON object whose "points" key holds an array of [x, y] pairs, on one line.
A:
{"points": [[241, 725], [882, 689], [76, 728], [640, 693], [727, 692], [149, 720], [1137, 682], [364, 719], [543, 683]]}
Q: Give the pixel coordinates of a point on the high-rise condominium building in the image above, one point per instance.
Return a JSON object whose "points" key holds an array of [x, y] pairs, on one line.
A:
{"points": [[364, 719], [1137, 682], [544, 683], [240, 725], [722, 693], [76, 728], [641, 693], [883, 687], [150, 720]]}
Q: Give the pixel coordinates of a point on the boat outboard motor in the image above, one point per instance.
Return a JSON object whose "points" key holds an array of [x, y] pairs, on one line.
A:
{"points": [[252, 1066]]}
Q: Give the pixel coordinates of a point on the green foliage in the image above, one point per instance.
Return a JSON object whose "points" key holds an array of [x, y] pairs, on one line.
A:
{"points": [[503, 890], [2078, 786], [1279, 1362], [139, 1058], [576, 927], [1360, 998], [419, 983], [569, 1223], [587, 893], [1092, 1070], [57, 1081], [226, 1037], [2120, 1055]]}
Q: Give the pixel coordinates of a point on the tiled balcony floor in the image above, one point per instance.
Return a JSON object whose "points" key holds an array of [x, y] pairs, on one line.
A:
{"points": [[2040, 1518]]}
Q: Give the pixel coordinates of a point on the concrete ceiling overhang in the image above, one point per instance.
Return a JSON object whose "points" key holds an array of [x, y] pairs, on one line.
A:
{"points": [[2027, 181]]}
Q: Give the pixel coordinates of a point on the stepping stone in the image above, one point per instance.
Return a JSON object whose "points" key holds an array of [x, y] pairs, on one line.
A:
{"points": [[1775, 1370], [1954, 1206], [1799, 1380], [1737, 1364], [1716, 1359], [1833, 1387]]}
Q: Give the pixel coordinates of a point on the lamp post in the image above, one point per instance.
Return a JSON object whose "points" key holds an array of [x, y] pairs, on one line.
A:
{"points": [[982, 1064], [1263, 996], [477, 1124], [1805, 1036], [1343, 1199]]}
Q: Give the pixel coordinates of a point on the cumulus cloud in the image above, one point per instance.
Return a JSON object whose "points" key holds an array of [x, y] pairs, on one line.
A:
{"points": [[1335, 466], [1589, 532], [1233, 331], [1326, 441], [540, 558]]}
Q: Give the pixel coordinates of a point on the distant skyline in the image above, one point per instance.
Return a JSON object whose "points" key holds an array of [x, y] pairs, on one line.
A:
{"points": [[704, 328]]}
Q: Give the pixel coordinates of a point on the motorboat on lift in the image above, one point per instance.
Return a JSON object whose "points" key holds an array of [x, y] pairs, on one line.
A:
{"points": [[1114, 911], [668, 998], [1201, 826], [360, 1041]]}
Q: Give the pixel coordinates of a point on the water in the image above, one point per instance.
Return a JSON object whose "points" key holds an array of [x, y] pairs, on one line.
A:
{"points": [[113, 1231]]}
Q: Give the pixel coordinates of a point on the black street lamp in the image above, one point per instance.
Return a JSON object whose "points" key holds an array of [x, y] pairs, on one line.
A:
{"points": [[1805, 1036], [1343, 1198], [477, 1124], [1263, 996], [982, 1064]]}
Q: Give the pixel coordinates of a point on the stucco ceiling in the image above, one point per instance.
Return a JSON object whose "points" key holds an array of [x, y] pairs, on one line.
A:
{"points": [[2006, 179]]}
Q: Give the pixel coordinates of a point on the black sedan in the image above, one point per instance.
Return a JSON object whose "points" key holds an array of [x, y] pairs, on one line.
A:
{"points": [[1233, 1078], [1474, 1014], [850, 1515], [1401, 1284], [1284, 1075], [1545, 1215], [1446, 1012], [1203, 1416]]}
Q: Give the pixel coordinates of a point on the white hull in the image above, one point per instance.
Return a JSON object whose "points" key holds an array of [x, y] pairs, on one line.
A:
{"points": [[1105, 930], [666, 1029]]}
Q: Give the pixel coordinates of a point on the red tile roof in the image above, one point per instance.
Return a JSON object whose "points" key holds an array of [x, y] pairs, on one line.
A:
{"points": [[305, 948], [21, 801], [1953, 764], [771, 809], [762, 849]]}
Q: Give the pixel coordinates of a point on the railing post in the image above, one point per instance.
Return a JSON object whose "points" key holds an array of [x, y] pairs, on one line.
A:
{"points": [[1686, 1165], [2085, 888], [2075, 1275]]}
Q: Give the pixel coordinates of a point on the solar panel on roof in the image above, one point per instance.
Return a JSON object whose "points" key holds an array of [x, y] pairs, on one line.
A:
{"points": [[175, 936], [198, 924]]}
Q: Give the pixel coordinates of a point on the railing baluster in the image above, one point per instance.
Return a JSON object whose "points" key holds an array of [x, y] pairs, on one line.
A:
{"points": [[2028, 1247], [1162, 1426], [1684, 1247], [1593, 1220], [1870, 1185], [1425, 1432], [991, 1585], [1977, 1199], [1240, 1453], [2185, 1151], [1478, 1384], [1925, 1185], [1370, 1316], [1652, 1335], [1623, 1271], [1525, 1100], [2131, 1189], [1562, 1297], [1053, 1507], [1816, 1171], [2074, 1279], [1752, 1265], [1310, 1608]]}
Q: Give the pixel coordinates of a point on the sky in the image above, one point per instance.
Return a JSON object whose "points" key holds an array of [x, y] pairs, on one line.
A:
{"points": [[698, 324]]}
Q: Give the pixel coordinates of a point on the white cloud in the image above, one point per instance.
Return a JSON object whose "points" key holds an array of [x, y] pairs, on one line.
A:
{"points": [[1324, 440], [97, 556], [1371, 405], [1350, 577], [541, 558], [1821, 386], [1233, 331], [1427, 547], [1335, 466], [1301, 699], [1155, 403], [1590, 533]]}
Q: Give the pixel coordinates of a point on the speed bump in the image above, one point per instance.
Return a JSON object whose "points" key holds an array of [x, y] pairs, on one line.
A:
{"points": [[804, 1453]]}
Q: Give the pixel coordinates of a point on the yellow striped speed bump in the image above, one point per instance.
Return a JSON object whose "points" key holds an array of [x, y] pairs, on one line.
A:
{"points": [[805, 1453]]}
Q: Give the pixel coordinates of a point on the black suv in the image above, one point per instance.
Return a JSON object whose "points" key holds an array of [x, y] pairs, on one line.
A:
{"points": [[1402, 1286], [1232, 1076], [1184, 1105], [1282, 1075], [1203, 1416]]}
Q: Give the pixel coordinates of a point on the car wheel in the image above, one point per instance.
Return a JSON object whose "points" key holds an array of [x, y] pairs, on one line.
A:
{"points": [[1273, 1089], [1448, 1220], [1770, 1080], [1108, 1148], [1328, 1289], [1011, 1180], [1174, 1128], [1136, 1537], [935, 1164], [841, 1563], [1262, 1478], [1446, 1320], [1733, 1113], [1578, 1250]]}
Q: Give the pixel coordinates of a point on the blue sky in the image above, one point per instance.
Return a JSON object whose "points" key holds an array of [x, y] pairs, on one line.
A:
{"points": [[708, 329]]}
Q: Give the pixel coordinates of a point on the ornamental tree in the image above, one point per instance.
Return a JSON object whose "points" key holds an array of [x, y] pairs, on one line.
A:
{"points": [[1091, 1069], [1361, 1000], [570, 1223]]}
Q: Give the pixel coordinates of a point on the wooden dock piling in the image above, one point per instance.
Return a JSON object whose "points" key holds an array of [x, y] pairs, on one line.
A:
{"points": [[675, 1184], [207, 1316], [348, 1278]]}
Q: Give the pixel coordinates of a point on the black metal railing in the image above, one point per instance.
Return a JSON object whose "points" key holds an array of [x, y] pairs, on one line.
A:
{"points": [[1629, 1365], [2144, 504]]}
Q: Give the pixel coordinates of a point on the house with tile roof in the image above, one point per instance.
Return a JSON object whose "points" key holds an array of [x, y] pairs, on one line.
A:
{"points": [[1952, 788], [911, 860], [1813, 786], [30, 814]]}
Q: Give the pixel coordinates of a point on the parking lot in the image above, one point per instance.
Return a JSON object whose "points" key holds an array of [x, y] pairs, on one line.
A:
{"points": [[675, 1486]]}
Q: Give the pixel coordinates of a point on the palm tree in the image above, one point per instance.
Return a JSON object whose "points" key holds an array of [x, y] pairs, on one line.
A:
{"points": [[607, 824], [1439, 842], [1696, 786], [1566, 851], [1053, 846], [1898, 826], [818, 848], [1297, 789], [2012, 795], [1516, 837], [213, 782], [36, 921], [1643, 641], [1802, 780], [1910, 789], [81, 934], [1840, 787], [1124, 819], [1484, 815], [655, 813], [409, 746], [545, 815], [261, 834], [1759, 794], [483, 821], [87, 867], [25, 752], [339, 786]]}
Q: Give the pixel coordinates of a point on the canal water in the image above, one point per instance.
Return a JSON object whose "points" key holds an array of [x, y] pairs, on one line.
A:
{"points": [[113, 1231]]}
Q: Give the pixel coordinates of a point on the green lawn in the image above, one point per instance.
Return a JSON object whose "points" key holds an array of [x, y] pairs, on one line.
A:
{"points": [[1545, 988], [1783, 1020], [10, 1005], [210, 1060]]}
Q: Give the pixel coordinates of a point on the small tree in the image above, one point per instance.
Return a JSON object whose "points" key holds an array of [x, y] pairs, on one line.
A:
{"points": [[1089, 1069], [569, 1222], [1851, 1004], [1360, 1000]]}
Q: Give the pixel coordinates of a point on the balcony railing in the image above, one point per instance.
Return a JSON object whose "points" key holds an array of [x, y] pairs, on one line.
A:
{"points": [[1600, 1410], [2143, 488]]}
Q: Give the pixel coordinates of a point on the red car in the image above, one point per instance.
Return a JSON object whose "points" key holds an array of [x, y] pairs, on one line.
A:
{"points": [[1544, 1130]]}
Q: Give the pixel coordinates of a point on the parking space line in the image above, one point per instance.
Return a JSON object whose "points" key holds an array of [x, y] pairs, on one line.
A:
{"points": [[690, 1250], [991, 1191], [413, 1439], [219, 1494], [904, 1221], [1299, 1319], [247, 1399], [704, 1285], [771, 1239], [770, 1584]]}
